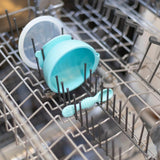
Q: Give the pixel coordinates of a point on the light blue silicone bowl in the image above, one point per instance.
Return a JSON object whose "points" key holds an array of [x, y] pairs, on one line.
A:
{"points": [[65, 58]]}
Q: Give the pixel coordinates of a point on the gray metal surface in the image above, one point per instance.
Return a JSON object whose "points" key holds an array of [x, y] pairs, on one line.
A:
{"points": [[118, 129]]}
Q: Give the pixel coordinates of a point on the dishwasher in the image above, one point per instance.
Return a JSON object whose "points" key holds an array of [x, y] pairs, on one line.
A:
{"points": [[126, 127]]}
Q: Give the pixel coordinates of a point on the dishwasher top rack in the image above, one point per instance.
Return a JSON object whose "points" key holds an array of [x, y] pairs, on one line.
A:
{"points": [[33, 113]]}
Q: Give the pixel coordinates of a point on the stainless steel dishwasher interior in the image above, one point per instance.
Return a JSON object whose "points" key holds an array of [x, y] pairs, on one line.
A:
{"points": [[126, 127]]}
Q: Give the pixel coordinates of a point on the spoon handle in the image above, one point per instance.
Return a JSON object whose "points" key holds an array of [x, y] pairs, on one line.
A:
{"points": [[88, 102], [85, 104]]}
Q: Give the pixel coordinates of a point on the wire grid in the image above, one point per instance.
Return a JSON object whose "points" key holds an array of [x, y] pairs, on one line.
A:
{"points": [[153, 6], [139, 18], [48, 105], [151, 59]]}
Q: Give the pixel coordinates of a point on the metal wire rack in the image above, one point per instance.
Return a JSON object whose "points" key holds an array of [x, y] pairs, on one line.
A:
{"points": [[33, 113], [142, 12], [153, 6]]}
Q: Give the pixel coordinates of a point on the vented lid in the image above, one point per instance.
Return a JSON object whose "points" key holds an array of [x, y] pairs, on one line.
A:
{"points": [[41, 29]]}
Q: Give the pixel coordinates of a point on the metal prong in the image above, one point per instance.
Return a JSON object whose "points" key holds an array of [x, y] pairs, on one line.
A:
{"points": [[140, 65], [64, 96], [101, 93], [126, 120], [113, 150], [81, 117], [33, 44], [147, 142], [112, 23], [106, 145], [103, 10], [155, 70], [102, 6], [15, 23], [114, 104], [58, 89], [92, 123], [138, 32], [62, 30], [34, 49], [95, 3], [133, 123], [99, 136], [85, 68], [140, 139], [90, 79], [82, 3], [120, 110], [43, 12], [96, 84], [75, 108], [38, 67], [123, 31], [87, 120], [9, 22], [35, 7], [120, 153], [107, 102], [42, 51], [68, 95]]}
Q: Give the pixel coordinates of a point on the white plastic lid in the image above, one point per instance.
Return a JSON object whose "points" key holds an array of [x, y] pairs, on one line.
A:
{"points": [[41, 29]]}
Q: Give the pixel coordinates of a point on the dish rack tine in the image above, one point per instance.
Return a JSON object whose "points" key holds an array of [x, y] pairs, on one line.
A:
{"points": [[81, 117], [120, 111], [99, 135], [120, 153], [113, 150], [87, 127], [123, 32], [114, 105], [112, 23], [152, 40], [96, 81], [147, 142], [62, 30], [133, 125], [106, 143], [68, 96], [15, 24], [155, 70], [75, 108], [11, 29], [126, 119], [93, 130], [85, 69], [9, 23], [90, 79], [107, 101], [102, 8], [64, 96], [34, 50], [101, 93], [58, 88], [141, 134], [43, 56], [138, 33]]}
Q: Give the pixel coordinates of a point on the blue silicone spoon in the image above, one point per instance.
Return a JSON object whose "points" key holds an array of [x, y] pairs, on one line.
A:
{"points": [[86, 103]]}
